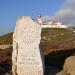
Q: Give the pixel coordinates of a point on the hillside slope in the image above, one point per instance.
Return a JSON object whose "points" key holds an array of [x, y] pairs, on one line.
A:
{"points": [[6, 39], [53, 39], [56, 43], [56, 39]]}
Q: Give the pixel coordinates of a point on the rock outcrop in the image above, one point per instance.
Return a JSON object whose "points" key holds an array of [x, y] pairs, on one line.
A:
{"points": [[69, 67], [26, 56]]}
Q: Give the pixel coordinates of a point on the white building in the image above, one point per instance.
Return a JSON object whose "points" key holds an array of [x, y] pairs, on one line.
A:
{"points": [[53, 24]]}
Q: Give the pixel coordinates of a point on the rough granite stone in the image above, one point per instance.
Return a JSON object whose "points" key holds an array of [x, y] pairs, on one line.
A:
{"points": [[26, 57]]}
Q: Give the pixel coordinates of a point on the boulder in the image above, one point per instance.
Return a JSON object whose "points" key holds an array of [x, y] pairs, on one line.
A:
{"points": [[69, 66]]}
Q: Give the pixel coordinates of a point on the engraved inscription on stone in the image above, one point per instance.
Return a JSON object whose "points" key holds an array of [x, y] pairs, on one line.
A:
{"points": [[26, 58]]}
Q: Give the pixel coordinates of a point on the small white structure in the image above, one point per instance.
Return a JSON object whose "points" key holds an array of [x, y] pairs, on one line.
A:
{"points": [[39, 19]]}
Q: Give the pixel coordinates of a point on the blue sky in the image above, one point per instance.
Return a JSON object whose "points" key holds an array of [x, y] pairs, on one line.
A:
{"points": [[11, 9]]}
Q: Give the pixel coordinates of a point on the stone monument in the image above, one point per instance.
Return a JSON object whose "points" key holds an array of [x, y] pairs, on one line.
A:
{"points": [[26, 57]]}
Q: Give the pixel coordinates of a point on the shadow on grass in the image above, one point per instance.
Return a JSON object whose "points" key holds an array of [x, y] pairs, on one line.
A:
{"points": [[5, 60], [57, 58]]}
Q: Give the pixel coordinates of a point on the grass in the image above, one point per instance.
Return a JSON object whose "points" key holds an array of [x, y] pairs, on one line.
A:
{"points": [[51, 39], [57, 39], [51, 34], [57, 34], [6, 39]]}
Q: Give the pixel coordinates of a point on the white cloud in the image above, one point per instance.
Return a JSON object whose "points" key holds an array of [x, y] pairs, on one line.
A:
{"points": [[67, 13]]}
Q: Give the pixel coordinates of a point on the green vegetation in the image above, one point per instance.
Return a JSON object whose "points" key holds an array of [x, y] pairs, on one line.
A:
{"points": [[52, 38], [57, 34], [56, 39], [6, 39]]}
